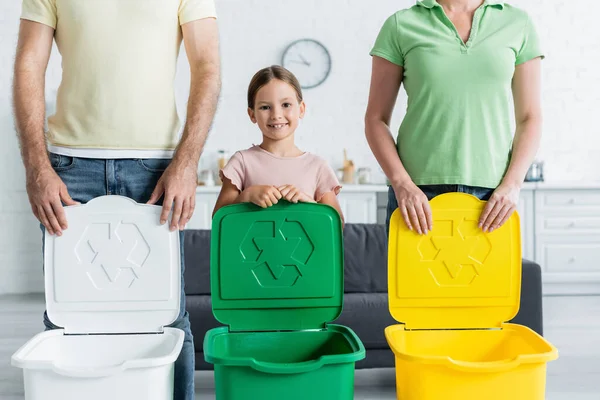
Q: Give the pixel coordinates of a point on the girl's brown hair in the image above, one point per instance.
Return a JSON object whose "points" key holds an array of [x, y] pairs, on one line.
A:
{"points": [[266, 75]]}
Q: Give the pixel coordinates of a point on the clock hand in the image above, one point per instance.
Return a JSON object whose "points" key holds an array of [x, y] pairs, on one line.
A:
{"points": [[298, 62], [304, 60]]}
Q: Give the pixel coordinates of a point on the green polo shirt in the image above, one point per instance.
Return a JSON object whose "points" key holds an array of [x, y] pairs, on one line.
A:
{"points": [[458, 126]]}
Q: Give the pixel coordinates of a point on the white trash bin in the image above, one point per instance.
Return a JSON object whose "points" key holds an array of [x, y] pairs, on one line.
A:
{"points": [[113, 281]]}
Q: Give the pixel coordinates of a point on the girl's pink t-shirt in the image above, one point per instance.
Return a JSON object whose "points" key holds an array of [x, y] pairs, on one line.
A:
{"points": [[256, 166]]}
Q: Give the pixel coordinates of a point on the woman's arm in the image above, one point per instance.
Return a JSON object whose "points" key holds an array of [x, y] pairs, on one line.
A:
{"points": [[386, 78], [331, 199], [526, 87]]}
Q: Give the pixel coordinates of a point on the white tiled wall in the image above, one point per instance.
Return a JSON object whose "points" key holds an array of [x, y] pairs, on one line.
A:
{"points": [[254, 34]]}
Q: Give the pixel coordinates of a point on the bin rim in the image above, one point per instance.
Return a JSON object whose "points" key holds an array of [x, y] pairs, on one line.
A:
{"points": [[359, 353], [20, 358], [477, 366]]}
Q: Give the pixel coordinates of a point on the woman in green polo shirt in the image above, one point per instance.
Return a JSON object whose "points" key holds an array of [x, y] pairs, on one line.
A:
{"points": [[465, 65]]}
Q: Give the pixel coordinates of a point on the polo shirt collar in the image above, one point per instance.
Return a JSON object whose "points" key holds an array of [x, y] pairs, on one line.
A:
{"points": [[434, 3]]}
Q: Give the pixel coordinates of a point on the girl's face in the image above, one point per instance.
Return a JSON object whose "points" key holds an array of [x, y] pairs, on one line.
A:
{"points": [[277, 110]]}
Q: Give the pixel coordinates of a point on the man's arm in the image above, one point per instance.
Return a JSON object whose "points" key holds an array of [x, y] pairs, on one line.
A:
{"points": [[179, 181], [44, 188]]}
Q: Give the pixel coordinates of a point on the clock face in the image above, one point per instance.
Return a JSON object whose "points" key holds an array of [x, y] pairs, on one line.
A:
{"points": [[309, 60]]}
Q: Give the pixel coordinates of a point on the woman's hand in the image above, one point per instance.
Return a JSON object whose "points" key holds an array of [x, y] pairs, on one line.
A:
{"points": [[262, 195], [414, 207], [499, 207], [292, 194]]}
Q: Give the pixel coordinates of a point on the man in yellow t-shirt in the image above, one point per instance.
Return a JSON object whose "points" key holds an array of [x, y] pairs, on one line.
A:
{"points": [[116, 128]]}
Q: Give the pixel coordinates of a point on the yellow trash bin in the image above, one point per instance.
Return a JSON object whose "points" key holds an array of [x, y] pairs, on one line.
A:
{"points": [[452, 290]]}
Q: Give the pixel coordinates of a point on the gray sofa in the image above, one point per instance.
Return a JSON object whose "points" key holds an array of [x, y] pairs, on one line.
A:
{"points": [[365, 286]]}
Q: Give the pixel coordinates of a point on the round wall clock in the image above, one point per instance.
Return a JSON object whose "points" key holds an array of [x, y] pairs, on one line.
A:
{"points": [[309, 60]]}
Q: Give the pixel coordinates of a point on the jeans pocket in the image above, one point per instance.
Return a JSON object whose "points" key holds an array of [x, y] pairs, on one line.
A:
{"points": [[60, 162], [481, 193], [392, 205], [154, 164]]}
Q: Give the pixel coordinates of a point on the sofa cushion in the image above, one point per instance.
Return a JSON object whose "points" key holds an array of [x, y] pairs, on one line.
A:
{"points": [[201, 317], [365, 258], [197, 261], [367, 314]]}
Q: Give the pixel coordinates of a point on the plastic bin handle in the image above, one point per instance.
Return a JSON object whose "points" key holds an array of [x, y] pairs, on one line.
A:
{"points": [[494, 366], [292, 368], [87, 372]]}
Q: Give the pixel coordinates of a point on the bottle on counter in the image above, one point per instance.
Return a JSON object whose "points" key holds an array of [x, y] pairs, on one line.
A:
{"points": [[221, 161], [347, 170], [364, 176]]}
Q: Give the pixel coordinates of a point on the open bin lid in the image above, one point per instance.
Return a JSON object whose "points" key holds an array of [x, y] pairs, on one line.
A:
{"points": [[279, 268], [114, 270], [457, 276]]}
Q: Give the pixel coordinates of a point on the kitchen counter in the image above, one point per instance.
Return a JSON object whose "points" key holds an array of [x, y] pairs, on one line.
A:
{"points": [[567, 185], [345, 188]]}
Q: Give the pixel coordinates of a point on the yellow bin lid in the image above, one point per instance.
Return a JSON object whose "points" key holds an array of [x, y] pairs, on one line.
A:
{"points": [[456, 276]]}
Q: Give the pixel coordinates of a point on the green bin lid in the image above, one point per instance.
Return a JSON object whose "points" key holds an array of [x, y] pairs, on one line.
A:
{"points": [[279, 268]]}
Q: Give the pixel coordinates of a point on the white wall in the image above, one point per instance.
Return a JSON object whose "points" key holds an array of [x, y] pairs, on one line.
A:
{"points": [[254, 34], [569, 31]]}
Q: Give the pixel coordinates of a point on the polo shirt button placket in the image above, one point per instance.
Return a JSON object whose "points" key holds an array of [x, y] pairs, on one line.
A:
{"points": [[466, 46], [475, 24]]}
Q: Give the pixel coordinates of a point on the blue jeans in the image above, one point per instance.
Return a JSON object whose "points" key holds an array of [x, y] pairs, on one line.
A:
{"points": [[434, 190], [87, 178]]}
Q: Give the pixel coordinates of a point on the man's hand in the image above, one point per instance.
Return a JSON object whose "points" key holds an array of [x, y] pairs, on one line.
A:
{"points": [[178, 184], [46, 190], [294, 195], [500, 207], [262, 195]]}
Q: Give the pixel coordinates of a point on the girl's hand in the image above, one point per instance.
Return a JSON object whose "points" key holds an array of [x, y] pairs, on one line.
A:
{"points": [[500, 207], [292, 194], [414, 207], [262, 195]]}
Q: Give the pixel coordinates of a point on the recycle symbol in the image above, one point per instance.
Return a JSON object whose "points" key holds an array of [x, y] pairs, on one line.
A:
{"points": [[456, 257], [112, 257], [277, 253]]}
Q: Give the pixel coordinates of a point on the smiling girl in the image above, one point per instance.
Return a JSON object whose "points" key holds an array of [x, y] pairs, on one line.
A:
{"points": [[277, 169]]}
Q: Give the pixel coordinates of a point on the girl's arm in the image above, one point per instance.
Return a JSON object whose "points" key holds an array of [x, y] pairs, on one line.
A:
{"points": [[261, 195], [526, 86], [331, 199], [229, 195]]}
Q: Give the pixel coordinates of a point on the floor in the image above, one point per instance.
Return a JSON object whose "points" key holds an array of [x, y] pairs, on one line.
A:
{"points": [[572, 324]]}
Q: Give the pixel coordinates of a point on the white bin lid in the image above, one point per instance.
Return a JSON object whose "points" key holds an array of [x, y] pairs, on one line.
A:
{"points": [[114, 270]]}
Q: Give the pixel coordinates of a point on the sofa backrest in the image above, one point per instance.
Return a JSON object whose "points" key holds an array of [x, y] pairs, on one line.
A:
{"points": [[365, 260], [197, 261]]}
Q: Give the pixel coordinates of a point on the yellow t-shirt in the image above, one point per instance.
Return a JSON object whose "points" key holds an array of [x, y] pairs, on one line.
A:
{"points": [[116, 98]]}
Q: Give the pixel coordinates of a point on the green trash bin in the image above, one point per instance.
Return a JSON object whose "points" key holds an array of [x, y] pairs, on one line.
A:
{"points": [[277, 278]]}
